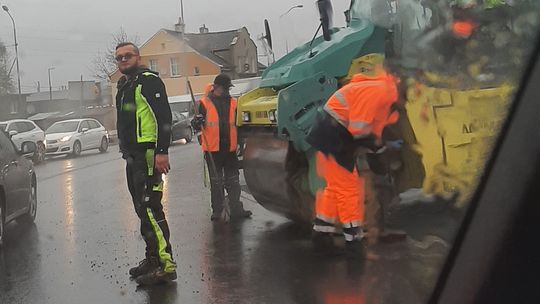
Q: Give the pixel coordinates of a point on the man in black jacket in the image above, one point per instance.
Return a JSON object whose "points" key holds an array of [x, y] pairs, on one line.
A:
{"points": [[144, 124]]}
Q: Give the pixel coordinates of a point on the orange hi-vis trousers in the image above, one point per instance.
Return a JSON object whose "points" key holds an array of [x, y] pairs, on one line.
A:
{"points": [[341, 201]]}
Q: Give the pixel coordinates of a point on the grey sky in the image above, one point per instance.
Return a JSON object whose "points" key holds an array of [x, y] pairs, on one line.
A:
{"points": [[67, 34]]}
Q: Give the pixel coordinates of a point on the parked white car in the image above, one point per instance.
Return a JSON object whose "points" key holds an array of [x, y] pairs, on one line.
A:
{"points": [[24, 131], [76, 135]]}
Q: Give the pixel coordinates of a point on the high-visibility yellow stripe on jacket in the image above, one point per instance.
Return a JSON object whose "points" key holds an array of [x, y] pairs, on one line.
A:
{"points": [[210, 138], [147, 126]]}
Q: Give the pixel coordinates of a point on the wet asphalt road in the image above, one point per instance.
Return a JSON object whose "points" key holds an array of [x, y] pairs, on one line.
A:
{"points": [[86, 238]]}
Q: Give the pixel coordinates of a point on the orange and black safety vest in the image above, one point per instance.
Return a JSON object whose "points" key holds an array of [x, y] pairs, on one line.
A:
{"points": [[211, 132]]}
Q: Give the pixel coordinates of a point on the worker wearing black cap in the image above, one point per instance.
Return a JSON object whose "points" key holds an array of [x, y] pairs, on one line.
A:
{"points": [[217, 121]]}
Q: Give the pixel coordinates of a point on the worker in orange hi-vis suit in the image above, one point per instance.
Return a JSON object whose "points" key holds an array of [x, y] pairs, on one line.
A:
{"points": [[349, 126]]}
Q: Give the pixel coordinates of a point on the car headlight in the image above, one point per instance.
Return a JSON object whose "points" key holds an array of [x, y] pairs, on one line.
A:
{"points": [[246, 116], [65, 138], [272, 115]]}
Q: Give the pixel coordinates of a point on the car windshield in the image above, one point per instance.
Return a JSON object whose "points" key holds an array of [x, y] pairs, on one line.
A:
{"points": [[181, 107], [63, 127], [252, 151]]}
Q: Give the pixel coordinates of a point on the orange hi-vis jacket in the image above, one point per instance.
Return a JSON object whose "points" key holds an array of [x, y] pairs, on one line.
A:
{"points": [[363, 106], [210, 138]]}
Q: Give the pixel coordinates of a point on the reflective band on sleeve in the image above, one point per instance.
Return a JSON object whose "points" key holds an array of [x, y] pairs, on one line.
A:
{"points": [[149, 74], [358, 124], [341, 98], [359, 129], [166, 259], [336, 116]]}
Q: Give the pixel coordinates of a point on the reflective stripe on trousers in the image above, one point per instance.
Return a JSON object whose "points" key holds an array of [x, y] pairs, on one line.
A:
{"points": [[343, 197], [146, 189], [165, 258]]}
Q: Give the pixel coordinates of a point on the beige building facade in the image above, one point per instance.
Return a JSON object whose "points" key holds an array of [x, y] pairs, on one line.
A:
{"points": [[197, 57]]}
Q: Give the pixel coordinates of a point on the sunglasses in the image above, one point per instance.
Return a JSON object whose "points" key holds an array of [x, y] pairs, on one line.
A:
{"points": [[124, 58]]}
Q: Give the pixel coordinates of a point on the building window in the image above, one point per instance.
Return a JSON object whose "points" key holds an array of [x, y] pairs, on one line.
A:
{"points": [[14, 107], [163, 47], [154, 65], [196, 71], [174, 67]]}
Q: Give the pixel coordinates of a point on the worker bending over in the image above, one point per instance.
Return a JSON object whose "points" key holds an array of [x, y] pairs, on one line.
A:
{"points": [[348, 127]]}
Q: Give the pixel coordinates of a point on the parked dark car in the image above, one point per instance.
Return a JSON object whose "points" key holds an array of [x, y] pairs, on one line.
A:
{"points": [[18, 185], [181, 128]]}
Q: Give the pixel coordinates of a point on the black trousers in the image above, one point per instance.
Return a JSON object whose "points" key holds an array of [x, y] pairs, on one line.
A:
{"points": [[146, 188], [225, 177]]}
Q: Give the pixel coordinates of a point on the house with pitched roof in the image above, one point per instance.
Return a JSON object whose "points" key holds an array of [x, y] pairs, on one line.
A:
{"points": [[198, 57]]}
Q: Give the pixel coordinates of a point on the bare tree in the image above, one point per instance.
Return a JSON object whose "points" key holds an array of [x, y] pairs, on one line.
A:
{"points": [[104, 63], [6, 80]]}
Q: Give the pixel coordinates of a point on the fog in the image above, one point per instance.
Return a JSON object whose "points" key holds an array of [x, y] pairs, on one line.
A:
{"points": [[67, 35]]}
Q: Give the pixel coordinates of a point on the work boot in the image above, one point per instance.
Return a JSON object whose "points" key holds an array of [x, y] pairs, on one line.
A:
{"points": [[241, 214], [216, 216], [158, 276], [145, 266], [356, 249], [323, 243], [238, 211]]}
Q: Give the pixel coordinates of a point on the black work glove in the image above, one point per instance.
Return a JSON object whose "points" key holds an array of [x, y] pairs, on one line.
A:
{"points": [[197, 122]]}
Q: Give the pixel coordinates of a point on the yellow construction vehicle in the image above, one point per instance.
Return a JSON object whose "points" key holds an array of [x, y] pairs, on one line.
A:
{"points": [[454, 108]]}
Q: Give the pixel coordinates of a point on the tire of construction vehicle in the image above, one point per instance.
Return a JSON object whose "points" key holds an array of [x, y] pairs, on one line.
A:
{"points": [[298, 189], [283, 166]]}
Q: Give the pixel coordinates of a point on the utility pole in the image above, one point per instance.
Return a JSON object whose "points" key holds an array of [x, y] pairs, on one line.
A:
{"points": [[82, 97], [182, 10], [50, 84], [6, 9]]}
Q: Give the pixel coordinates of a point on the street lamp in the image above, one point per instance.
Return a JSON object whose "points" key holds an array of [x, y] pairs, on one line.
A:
{"points": [[290, 9], [50, 85], [6, 9], [281, 23]]}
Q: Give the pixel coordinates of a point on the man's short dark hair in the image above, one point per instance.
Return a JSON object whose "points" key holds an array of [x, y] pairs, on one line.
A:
{"points": [[123, 44]]}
